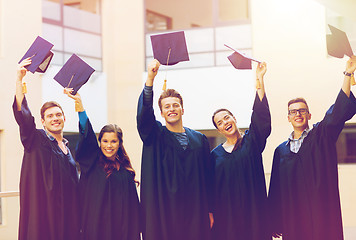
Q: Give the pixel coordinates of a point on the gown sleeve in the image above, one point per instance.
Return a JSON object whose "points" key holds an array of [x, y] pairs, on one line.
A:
{"points": [[27, 125], [274, 197], [146, 121], [88, 147], [341, 111], [260, 127]]}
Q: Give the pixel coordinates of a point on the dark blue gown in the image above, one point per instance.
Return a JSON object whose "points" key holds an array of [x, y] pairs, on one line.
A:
{"points": [[48, 185], [304, 193], [175, 183], [109, 206], [240, 189]]}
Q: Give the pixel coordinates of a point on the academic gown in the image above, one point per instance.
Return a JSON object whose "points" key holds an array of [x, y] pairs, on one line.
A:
{"points": [[109, 206], [240, 189], [48, 184], [175, 183], [304, 193]]}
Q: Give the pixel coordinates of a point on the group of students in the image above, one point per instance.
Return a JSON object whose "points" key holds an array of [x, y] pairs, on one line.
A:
{"points": [[187, 193]]}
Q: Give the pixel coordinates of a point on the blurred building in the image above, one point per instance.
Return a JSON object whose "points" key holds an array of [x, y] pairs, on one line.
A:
{"points": [[113, 36]]}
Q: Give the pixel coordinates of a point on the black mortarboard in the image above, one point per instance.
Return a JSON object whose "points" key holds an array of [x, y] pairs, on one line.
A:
{"points": [[74, 74], [40, 54], [337, 43], [170, 48], [239, 60]]}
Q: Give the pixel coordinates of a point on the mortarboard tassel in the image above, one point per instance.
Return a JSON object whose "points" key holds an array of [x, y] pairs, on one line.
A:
{"points": [[24, 88], [165, 80], [164, 88]]}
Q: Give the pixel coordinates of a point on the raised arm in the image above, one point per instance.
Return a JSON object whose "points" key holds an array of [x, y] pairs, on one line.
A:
{"points": [[349, 71], [87, 147], [152, 71], [21, 72], [260, 73], [146, 121]]}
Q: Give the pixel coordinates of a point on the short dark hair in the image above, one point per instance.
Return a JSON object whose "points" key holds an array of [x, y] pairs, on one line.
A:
{"points": [[169, 93], [48, 105], [217, 111], [295, 100]]}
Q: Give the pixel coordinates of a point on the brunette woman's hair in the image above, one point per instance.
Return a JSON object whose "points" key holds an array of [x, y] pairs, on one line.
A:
{"points": [[122, 159]]}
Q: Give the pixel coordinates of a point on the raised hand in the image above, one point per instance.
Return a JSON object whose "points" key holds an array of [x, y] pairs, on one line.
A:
{"points": [[21, 70], [261, 70], [152, 70], [77, 98], [351, 65]]}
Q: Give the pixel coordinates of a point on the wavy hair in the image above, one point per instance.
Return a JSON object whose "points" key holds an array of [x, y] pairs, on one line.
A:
{"points": [[122, 159]]}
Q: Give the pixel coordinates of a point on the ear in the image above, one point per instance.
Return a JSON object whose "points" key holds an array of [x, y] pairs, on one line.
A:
{"points": [[42, 121], [182, 111], [309, 116], [288, 118], [162, 114]]}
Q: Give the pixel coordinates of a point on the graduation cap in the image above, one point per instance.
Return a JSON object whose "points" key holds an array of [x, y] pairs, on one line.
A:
{"points": [[74, 73], [239, 60], [40, 54], [337, 43], [169, 49]]}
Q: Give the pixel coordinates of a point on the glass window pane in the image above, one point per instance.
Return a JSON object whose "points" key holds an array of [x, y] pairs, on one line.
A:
{"points": [[53, 34], [82, 43], [51, 10], [80, 19], [238, 37]]}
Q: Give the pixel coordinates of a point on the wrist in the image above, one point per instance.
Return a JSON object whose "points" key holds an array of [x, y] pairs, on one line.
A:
{"points": [[348, 73]]}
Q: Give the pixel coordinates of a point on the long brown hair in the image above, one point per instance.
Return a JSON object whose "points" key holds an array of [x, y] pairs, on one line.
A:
{"points": [[122, 159]]}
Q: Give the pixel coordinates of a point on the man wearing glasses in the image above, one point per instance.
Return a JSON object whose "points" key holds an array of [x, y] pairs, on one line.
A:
{"points": [[304, 194]]}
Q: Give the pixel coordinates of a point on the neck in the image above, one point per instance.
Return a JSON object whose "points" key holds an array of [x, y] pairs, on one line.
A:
{"points": [[231, 140], [57, 136], [176, 127], [298, 132]]}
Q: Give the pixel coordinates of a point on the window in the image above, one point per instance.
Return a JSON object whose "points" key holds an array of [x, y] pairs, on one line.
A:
{"points": [[73, 26], [186, 14], [346, 144], [208, 25]]}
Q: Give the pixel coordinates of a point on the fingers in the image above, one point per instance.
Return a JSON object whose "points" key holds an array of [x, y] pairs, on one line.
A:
{"points": [[69, 91], [154, 65], [25, 62]]}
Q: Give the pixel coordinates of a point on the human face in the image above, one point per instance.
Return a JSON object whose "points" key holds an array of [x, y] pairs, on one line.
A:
{"points": [[172, 110], [53, 120], [299, 121], [109, 145], [226, 123]]}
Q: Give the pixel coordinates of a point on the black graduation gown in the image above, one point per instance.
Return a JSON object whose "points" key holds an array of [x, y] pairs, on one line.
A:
{"points": [[175, 183], [109, 206], [240, 188], [304, 193], [48, 185]]}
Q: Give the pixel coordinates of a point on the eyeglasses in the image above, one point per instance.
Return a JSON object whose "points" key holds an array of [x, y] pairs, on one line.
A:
{"points": [[301, 111]]}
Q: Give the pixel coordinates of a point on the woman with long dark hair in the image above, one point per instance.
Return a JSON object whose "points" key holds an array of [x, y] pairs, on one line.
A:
{"points": [[109, 200], [240, 189]]}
